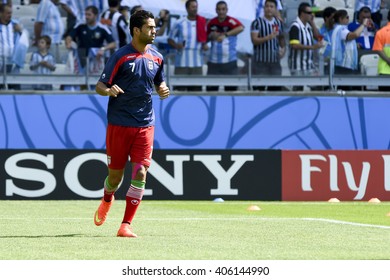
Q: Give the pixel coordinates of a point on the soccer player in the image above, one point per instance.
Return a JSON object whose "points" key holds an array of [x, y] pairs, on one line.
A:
{"points": [[128, 79]]}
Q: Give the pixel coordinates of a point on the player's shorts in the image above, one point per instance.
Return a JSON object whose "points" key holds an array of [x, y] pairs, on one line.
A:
{"points": [[123, 142]]}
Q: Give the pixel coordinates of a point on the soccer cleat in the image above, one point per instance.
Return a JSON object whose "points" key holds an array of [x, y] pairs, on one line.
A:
{"points": [[125, 231], [101, 213]]}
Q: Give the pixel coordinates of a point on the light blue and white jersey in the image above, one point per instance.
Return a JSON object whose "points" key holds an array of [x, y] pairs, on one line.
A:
{"points": [[53, 26], [225, 51], [36, 58], [344, 52], [7, 41], [184, 31], [80, 5], [374, 5]]}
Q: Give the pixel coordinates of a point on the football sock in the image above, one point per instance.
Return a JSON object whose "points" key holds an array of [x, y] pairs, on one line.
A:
{"points": [[108, 191], [133, 199]]}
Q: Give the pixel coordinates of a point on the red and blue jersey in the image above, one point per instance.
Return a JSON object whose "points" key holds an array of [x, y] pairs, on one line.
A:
{"points": [[136, 74]]}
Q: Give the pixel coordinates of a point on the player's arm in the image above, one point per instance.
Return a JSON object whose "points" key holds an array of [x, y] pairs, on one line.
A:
{"points": [[162, 90], [102, 89]]}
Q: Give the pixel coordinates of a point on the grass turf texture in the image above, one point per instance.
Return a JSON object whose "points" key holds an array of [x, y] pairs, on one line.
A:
{"points": [[196, 230]]}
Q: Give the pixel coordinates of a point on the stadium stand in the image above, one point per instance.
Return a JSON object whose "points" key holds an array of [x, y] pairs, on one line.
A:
{"points": [[338, 4], [19, 11]]}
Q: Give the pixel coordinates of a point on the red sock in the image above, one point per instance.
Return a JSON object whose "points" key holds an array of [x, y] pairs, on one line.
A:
{"points": [[108, 196], [133, 199]]}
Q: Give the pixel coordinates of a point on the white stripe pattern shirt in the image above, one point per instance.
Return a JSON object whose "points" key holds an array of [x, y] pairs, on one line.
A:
{"points": [[7, 43], [301, 59], [36, 58], [53, 26], [184, 31]]}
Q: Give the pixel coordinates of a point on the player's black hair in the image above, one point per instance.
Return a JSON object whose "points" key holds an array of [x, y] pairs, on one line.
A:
{"points": [[302, 7], [188, 2], [138, 19], [328, 12], [220, 3], [113, 3], [272, 1], [93, 9]]}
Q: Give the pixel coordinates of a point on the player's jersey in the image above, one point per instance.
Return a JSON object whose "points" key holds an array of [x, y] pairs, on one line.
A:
{"points": [[224, 51], [136, 73]]}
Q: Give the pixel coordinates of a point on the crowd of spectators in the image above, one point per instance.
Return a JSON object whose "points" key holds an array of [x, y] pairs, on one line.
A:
{"points": [[94, 29]]}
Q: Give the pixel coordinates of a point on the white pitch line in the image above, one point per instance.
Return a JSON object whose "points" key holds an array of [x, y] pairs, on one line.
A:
{"points": [[220, 219]]}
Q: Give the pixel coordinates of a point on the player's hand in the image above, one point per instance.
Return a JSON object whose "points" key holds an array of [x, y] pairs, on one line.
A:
{"points": [[114, 91], [163, 91]]}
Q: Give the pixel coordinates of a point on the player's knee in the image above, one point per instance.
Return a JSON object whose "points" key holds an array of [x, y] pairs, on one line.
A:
{"points": [[139, 172], [114, 181]]}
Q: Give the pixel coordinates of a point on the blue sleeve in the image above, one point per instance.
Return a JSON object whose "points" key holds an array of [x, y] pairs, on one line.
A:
{"points": [[160, 75], [108, 70]]}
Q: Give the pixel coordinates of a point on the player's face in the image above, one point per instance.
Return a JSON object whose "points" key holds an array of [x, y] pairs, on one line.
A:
{"points": [[42, 44], [148, 32], [269, 9], [90, 17], [6, 15], [192, 9], [221, 11]]}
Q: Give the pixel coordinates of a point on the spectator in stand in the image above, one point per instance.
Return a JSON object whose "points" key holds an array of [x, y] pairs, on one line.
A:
{"points": [[261, 7], [90, 39], [125, 11], [7, 2], [189, 38], [164, 24], [269, 44], [10, 32], [81, 5], [344, 46], [303, 32], [42, 61], [382, 47], [222, 32], [136, 9], [48, 22], [375, 7], [326, 32], [366, 39], [117, 24], [71, 15]]}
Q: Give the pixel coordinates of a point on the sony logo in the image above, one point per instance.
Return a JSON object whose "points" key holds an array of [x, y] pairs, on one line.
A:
{"points": [[174, 183]]}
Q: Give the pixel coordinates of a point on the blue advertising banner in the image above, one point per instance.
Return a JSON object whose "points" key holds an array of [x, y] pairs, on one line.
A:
{"points": [[70, 121]]}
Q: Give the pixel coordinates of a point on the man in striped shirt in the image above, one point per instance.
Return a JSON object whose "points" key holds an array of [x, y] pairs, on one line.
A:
{"points": [[116, 23], [302, 43], [185, 38], [222, 32], [268, 42], [9, 34]]}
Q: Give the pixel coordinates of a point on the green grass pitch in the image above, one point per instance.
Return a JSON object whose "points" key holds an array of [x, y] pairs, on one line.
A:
{"points": [[196, 230]]}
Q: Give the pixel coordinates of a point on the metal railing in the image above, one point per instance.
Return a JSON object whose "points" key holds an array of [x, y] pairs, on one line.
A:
{"points": [[245, 82]]}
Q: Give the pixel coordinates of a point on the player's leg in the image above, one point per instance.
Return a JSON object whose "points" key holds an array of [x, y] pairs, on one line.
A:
{"points": [[117, 156], [111, 185], [141, 155]]}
